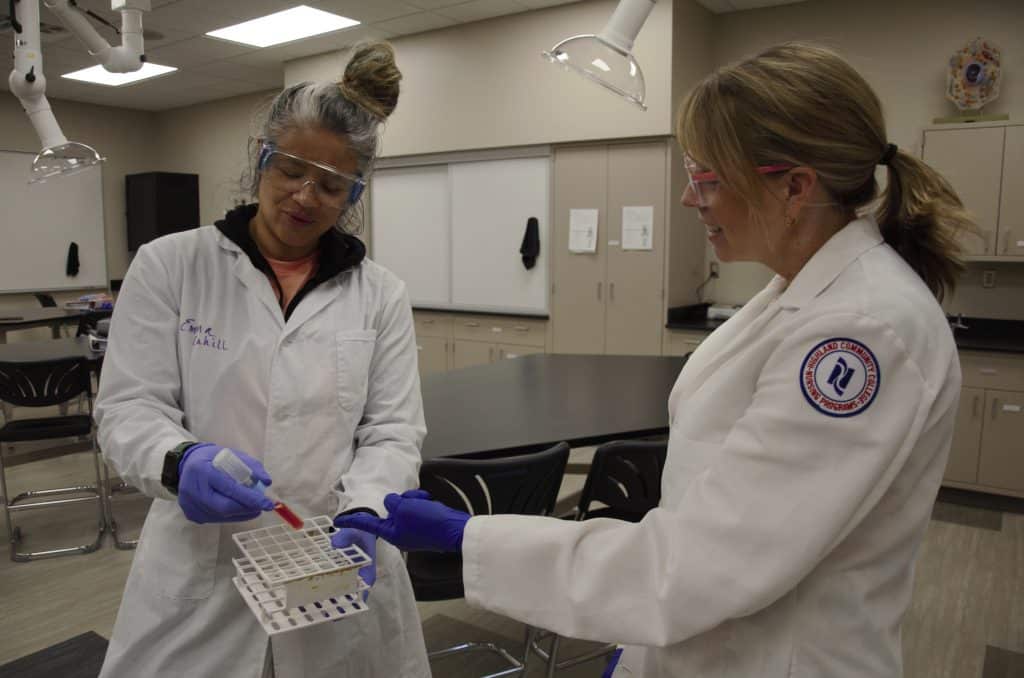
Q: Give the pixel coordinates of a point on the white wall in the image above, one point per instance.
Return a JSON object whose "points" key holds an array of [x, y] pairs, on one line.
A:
{"points": [[211, 140], [902, 49], [485, 85], [123, 136]]}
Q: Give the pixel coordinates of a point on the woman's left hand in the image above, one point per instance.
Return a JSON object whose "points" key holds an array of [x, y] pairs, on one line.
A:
{"points": [[368, 543]]}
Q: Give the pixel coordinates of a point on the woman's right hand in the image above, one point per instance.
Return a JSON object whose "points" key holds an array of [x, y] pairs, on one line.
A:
{"points": [[208, 495]]}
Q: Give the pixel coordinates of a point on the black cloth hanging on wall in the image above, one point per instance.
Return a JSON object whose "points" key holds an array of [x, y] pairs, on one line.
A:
{"points": [[530, 249], [72, 269]]}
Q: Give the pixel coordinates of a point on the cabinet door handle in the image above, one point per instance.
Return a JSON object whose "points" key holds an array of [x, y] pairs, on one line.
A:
{"points": [[988, 242], [490, 353], [977, 401], [472, 324], [427, 321], [995, 408], [1006, 242], [521, 328], [599, 291], [988, 371], [611, 291]]}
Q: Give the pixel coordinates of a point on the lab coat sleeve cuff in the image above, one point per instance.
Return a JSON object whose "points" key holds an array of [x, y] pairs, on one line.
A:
{"points": [[474, 539]]}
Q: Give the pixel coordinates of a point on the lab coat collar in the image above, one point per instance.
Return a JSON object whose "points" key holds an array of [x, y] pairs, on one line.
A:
{"points": [[851, 241], [338, 251]]}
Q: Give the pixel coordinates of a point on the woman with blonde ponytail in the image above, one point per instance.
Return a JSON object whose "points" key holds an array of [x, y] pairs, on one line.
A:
{"points": [[809, 433], [269, 334]]}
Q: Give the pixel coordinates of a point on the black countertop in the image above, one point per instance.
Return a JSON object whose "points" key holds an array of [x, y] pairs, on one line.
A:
{"points": [[985, 334], [980, 334]]}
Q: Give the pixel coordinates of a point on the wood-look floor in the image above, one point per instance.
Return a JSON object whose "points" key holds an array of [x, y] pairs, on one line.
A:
{"points": [[966, 619]]}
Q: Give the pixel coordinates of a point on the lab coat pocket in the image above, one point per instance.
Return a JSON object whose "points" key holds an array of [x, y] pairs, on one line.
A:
{"points": [[181, 556], [355, 351]]}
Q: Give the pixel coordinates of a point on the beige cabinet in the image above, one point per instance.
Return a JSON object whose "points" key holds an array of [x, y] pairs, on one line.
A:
{"points": [[1011, 205], [611, 300], [985, 165], [987, 453], [453, 341], [681, 342], [1002, 449], [963, 453], [507, 351], [433, 341], [433, 354], [471, 353]]}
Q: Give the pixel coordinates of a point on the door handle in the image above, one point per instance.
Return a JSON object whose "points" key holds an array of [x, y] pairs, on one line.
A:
{"points": [[490, 353], [977, 401], [995, 408], [611, 291], [1006, 242], [599, 291], [988, 242]]}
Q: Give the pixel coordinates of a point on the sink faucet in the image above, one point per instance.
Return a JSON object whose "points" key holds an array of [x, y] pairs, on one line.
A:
{"points": [[958, 324]]}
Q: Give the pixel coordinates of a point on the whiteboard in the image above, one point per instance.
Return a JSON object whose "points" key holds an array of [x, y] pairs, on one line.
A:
{"points": [[41, 220], [452, 232], [491, 202], [411, 231]]}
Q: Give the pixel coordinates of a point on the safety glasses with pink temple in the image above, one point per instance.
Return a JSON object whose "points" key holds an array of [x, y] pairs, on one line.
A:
{"points": [[704, 183]]}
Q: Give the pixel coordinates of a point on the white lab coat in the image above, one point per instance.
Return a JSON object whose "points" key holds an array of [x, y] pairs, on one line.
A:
{"points": [[784, 543], [329, 401]]}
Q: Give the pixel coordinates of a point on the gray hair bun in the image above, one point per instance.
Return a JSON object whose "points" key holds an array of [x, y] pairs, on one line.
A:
{"points": [[371, 79]]}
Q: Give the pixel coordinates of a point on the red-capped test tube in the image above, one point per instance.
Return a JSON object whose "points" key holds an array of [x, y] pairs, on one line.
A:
{"points": [[227, 461]]}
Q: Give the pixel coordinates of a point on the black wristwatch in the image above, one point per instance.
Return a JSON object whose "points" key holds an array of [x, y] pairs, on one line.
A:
{"points": [[169, 476]]}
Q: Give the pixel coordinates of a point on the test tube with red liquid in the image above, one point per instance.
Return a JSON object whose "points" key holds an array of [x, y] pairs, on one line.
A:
{"points": [[227, 461]]}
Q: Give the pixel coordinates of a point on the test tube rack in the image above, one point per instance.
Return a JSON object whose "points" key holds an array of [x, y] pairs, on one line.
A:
{"points": [[291, 579]]}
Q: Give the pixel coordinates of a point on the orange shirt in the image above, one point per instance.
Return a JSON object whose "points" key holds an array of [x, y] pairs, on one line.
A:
{"points": [[292, 275]]}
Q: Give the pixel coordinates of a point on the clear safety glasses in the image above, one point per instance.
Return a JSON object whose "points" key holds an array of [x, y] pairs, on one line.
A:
{"points": [[704, 184], [290, 173]]}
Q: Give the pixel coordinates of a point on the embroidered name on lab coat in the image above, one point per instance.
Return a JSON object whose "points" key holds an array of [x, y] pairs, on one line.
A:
{"points": [[202, 335], [840, 377]]}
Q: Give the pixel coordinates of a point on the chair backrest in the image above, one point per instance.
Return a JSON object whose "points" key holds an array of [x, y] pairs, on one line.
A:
{"points": [[625, 475], [525, 484], [44, 383], [46, 300]]}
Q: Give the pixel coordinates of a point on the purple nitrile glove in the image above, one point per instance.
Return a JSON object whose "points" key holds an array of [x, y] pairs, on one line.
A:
{"points": [[368, 543], [208, 495], [414, 523]]}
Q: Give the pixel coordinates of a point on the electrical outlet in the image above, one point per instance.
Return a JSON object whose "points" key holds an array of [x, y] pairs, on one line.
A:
{"points": [[988, 278], [713, 269]]}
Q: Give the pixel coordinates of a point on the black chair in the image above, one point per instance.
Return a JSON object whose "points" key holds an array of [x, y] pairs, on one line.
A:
{"points": [[46, 300], [44, 384], [625, 478], [523, 484]]}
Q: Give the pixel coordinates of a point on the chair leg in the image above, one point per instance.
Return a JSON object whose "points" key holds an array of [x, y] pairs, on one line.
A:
{"points": [[516, 666], [550, 656], [108, 505], [14, 505]]}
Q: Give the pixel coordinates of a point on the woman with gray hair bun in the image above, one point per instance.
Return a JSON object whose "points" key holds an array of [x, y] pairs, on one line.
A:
{"points": [[271, 334]]}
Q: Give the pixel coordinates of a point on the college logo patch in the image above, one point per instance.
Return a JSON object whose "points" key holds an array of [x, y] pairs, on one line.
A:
{"points": [[840, 377]]}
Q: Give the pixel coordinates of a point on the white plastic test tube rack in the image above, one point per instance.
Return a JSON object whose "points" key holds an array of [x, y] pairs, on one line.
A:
{"points": [[291, 579]]}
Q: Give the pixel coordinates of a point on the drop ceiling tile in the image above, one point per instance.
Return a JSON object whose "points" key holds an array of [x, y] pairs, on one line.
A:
{"points": [[478, 10], [367, 12], [415, 23], [197, 50], [434, 4]]}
